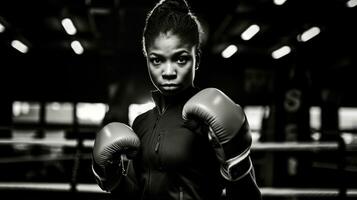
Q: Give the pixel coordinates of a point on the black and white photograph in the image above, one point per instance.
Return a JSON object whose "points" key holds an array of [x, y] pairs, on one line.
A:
{"points": [[178, 99]]}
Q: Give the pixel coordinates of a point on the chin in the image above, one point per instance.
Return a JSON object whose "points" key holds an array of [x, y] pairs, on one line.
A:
{"points": [[171, 92]]}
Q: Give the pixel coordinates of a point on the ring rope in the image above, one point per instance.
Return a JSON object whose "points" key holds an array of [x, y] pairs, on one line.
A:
{"points": [[94, 188], [41, 158], [305, 192], [59, 187], [259, 146], [295, 146], [46, 142]]}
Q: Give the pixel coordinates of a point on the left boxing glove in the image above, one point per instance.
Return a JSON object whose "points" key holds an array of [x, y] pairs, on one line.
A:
{"points": [[228, 130], [115, 144]]}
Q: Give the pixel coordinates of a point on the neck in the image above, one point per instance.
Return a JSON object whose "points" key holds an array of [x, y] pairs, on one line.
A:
{"points": [[162, 101]]}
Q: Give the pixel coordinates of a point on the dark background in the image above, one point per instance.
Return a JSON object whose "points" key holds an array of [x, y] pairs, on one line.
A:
{"points": [[112, 70], [110, 31]]}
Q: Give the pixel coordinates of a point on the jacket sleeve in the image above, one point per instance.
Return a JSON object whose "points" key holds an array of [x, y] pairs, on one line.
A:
{"points": [[245, 188]]}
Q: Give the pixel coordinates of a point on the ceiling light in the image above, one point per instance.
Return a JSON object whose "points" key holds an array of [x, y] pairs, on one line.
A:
{"points": [[250, 32], [279, 2], [229, 51], [68, 26], [18, 45], [351, 3], [2, 28], [308, 34], [282, 51], [348, 138], [77, 47]]}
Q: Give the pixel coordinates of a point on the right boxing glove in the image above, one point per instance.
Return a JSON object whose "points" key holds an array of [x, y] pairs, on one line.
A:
{"points": [[114, 145]]}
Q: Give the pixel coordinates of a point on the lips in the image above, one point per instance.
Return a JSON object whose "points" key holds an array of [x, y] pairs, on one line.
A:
{"points": [[169, 86]]}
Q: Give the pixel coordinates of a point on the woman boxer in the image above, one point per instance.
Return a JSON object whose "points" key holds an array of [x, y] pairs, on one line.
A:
{"points": [[195, 143]]}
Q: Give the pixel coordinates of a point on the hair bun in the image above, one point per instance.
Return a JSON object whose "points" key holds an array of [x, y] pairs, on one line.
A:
{"points": [[175, 5]]}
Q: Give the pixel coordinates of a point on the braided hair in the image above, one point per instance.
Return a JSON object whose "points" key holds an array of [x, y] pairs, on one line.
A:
{"points": [[172, 16]]}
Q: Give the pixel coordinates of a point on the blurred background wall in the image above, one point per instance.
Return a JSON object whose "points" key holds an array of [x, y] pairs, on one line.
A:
{"points": [[290, 64]]}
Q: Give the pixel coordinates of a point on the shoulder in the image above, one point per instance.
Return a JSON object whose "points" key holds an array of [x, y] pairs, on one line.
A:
{"points": [[142, 120]]}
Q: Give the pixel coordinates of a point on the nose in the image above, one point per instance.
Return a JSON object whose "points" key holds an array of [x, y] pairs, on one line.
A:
{"points": [[169, 72]]}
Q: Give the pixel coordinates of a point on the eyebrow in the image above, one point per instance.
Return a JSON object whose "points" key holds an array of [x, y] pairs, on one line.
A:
{"points": [[181, 51]]}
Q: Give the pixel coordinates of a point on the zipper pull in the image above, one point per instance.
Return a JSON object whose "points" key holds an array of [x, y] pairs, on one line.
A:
{"points": [[157, 144]]}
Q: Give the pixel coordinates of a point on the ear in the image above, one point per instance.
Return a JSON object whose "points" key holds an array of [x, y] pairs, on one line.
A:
{"points": [[198, 59]]}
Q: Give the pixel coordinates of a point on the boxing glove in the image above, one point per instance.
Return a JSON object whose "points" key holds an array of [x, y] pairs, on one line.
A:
{"points": [[114, 147], [227, 129]]}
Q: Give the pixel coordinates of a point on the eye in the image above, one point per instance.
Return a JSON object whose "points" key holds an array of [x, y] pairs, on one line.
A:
{"points": [[182, 60], [155, 61]]}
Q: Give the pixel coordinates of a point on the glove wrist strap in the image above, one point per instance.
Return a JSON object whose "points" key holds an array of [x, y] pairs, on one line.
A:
{"points": [[236, 168], [108, 183]]}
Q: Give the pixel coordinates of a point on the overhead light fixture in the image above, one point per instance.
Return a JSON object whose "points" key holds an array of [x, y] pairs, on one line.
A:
{"points": [[250, 32], [2, 28], [351, 3], [282, 51], [279, 2], [229, 51], [77, 47], [69, 26], [18, 45], [308, 34]]}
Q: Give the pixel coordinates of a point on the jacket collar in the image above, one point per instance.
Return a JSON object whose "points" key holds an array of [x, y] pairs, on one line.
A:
{"points": [[163, 102]]}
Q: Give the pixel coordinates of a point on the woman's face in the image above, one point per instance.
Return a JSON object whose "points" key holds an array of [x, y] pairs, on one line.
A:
{"points": [[171, 63]]}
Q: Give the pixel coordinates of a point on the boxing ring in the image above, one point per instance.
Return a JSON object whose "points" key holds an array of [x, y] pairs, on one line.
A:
{"points": [[256, 147]]}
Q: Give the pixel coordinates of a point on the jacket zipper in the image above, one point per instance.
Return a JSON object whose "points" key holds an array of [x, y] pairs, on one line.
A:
{"points": [[157, 144]]}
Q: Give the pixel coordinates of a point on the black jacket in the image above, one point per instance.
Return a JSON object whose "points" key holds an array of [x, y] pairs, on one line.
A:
{"points": [[176, 161]]}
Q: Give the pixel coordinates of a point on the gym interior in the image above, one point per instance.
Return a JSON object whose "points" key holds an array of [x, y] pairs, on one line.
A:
{"points": [[290, 65]]}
